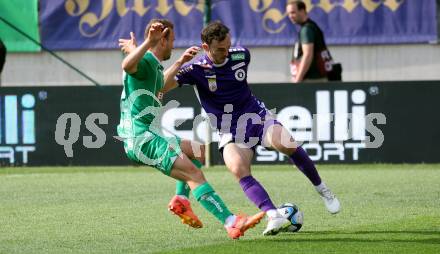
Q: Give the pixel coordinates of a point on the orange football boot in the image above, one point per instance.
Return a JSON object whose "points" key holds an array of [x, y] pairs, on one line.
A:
{"points": [[243, 223], [182, 208]]}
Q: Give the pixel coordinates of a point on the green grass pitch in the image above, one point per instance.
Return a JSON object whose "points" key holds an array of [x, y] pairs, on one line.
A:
{"points": [[386, 209]]}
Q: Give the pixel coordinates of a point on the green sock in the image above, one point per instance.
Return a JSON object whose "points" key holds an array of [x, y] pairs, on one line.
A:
{"points": [[212, 202], [181, 187]]}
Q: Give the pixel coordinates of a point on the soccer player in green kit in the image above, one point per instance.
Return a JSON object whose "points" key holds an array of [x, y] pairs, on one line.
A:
{"points": [[143, 80]]}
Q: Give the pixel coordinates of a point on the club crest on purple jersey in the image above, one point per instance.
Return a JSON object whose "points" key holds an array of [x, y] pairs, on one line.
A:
{"points": [[212, 84]]}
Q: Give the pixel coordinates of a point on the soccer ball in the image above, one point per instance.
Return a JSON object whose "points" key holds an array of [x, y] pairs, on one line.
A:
{"points": [[293, 214]]}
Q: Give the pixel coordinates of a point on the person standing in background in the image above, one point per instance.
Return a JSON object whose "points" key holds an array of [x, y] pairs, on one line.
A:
{"points": [[311, 60]]}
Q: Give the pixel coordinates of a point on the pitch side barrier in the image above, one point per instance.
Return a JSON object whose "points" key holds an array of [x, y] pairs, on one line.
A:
{"points": [[384, 122]]}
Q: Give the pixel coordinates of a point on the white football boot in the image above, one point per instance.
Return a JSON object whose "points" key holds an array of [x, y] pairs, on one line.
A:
{"points": [[275, 223], [330, 200]]}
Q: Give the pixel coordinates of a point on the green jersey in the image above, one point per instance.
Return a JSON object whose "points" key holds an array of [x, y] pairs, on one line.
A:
{"points": [[138, 127], [139, 98]]}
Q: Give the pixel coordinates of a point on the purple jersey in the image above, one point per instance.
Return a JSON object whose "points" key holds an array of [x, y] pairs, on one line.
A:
{"points": [[222, 84]]}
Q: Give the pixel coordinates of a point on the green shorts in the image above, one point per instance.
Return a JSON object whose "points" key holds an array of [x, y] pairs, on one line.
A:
{"points": [[157, 151]]}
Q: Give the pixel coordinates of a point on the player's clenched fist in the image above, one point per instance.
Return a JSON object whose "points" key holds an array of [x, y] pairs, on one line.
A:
{"points": [[189, 54]]}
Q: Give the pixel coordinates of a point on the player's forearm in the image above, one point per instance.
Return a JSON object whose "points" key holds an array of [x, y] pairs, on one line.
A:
{"points": [[169, 76], [130, 62], [304, 66], [169, 85]]}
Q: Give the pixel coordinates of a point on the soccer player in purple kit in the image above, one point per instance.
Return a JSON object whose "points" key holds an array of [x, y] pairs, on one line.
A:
{"points": [[242, 120], [220, 79]]}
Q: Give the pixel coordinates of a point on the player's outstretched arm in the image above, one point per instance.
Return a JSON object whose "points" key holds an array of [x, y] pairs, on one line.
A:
{"points": [[171, 72], [130, 62]]}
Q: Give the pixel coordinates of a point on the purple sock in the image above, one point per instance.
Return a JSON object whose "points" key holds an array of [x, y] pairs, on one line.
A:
{"points": [[256, 193], [306, 165]]}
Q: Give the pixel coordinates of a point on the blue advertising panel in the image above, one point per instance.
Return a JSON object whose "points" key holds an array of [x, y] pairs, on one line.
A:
{"points": [[87, 24]]}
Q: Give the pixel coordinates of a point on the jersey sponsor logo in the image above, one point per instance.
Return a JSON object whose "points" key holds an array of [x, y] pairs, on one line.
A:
{"points": [[17, 127], [239, 65], [237, 56], [240, 75]]}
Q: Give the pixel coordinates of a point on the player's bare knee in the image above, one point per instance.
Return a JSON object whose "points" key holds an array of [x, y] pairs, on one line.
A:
{"points": [[287, 150], [278, 145], [197, 176], [239, 171], [286, 147]]}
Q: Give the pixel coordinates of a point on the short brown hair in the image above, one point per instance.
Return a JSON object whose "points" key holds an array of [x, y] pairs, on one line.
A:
{"points": [[165, 22], [299, 4], [214, 31]]}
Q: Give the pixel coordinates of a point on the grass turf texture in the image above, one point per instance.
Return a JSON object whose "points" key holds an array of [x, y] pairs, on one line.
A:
{"points": [[386, 209]]}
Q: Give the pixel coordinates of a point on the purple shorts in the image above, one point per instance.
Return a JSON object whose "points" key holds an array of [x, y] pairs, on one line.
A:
{"points": [[247, 134]]}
